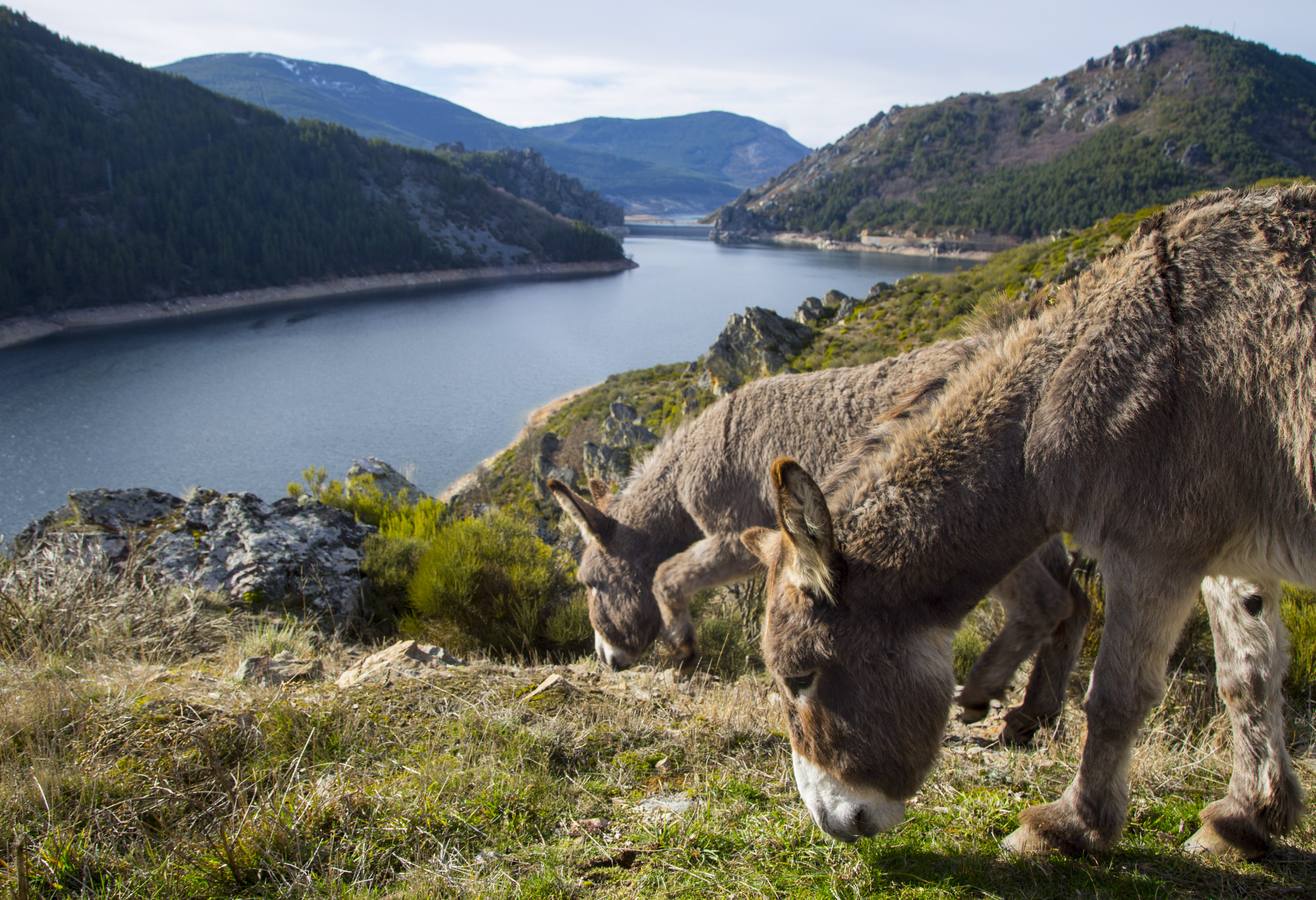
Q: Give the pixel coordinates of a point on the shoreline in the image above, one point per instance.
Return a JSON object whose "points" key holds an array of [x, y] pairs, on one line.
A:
{"points": [[895, 247], [26, 329], [536, 417]]}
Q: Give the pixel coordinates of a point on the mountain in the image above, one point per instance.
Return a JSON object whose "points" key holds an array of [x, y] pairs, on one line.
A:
{"points": [[121, 184], [1149, 122], [680, 164], [734, 149]]}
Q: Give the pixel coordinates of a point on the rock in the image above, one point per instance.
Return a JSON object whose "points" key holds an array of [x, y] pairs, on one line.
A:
{"points": [[553, 684], [753, 344], [589, 826], [608, 464], [665, 805], [405, 659], [287, 553], [282, 668], [389, 481], [811, 310], [625, 428], [544, 465]]}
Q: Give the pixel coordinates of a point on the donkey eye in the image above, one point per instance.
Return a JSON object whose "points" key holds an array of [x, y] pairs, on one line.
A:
{"points": [[798, 684]]}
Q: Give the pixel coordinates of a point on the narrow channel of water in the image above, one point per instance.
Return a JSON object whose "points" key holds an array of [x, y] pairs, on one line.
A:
{"points": [[434, 383]]}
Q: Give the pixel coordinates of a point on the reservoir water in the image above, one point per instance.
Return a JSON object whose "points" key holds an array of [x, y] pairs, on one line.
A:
{"points": [[432, 383]]}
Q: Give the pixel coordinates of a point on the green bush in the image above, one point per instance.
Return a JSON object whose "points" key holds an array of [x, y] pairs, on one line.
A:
{"points": [[490, 584], [1298, 608]]}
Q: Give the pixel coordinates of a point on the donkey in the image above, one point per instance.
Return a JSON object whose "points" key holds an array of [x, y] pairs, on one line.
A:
{"points": [[1162, 412], [674, 528]]}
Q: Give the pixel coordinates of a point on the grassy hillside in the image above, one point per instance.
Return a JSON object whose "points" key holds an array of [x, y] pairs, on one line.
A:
{"points": [[119, 184], [133, 763], [1151, 122]]}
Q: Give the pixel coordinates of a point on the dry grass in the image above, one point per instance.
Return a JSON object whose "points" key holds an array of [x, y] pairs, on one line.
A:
{"points": [[130, 767]]}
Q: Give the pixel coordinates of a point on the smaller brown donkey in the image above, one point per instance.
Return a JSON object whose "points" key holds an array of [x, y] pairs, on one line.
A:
{"points": [[675, 527], [1162, 412]]}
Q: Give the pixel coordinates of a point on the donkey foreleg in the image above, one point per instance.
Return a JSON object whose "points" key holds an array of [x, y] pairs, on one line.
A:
{"points": [[1042, 610], [1144, 617], [716, 560], [1251, 656]]}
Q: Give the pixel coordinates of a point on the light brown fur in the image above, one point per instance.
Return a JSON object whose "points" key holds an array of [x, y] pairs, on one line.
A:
{"points": [[1162, 412]]}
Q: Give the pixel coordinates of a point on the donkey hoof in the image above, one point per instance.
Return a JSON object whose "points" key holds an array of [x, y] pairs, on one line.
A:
{"points": [[971, 714], [1027, 841], [1229, 839]]}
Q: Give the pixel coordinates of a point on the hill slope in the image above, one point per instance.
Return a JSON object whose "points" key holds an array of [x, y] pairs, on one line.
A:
{"points": [[681, 164], [119, 184], [1150, 122], [736, 149]]}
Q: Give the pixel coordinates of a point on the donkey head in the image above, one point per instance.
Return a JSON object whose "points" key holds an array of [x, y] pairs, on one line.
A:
{"points": [[867, 689], [617, 569]]}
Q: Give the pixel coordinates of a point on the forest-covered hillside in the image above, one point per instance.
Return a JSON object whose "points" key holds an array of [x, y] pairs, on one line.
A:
{"points": [[120, 184], [1150, 122]]}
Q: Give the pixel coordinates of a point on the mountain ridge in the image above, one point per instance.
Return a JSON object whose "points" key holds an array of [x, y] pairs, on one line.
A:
{"points": [[718, 154], [1182, 110]]}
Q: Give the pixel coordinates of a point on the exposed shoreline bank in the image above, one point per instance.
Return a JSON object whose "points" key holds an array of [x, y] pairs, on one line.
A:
{"points": [[893, 246], [538, 416], [25, 329]]}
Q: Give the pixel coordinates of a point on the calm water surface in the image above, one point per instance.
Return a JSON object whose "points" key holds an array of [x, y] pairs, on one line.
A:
{"points": [[431, 382]]}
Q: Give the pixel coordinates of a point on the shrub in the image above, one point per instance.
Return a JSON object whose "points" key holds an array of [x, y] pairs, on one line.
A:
{"points": [[396, 515], [1298, 608], [490, 584]]}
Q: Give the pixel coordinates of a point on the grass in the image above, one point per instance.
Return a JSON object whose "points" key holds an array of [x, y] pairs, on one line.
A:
{"points": [[127, 773]]}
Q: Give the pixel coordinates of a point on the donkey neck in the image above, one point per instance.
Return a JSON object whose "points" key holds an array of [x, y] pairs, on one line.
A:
{"points": [[953, 506], [651, 505]]}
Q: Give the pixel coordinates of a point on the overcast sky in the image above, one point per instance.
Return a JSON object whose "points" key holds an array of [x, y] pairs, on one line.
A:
{"points": [[815, 69]]}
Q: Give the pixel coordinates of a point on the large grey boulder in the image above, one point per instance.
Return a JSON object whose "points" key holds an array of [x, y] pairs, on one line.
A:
{"points": [[753, 344], [388, 480], [288, 553], [624, 427]]}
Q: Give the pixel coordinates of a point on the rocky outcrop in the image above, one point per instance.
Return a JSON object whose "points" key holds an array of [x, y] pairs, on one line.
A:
{"points": [[835, 306], [753, 344], [305, 554], [388, 480]]}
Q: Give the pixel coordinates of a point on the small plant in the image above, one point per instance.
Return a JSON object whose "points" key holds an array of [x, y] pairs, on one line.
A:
{"points": [[1298, 608], [270, 638], [488, 584]]}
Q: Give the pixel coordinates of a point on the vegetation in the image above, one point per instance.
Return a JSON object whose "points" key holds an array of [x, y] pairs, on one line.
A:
{"points": [[1154, 121], [118, 184], [121, 776]]}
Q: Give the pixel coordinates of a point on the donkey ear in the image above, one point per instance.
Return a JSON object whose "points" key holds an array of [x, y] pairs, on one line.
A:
{"points": [[806, 524], [598, 490], [594, 523], [762, 542]]}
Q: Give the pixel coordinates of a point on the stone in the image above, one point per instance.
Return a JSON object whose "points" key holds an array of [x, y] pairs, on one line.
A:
{"points": [[389, 481], [553, 684], [624, 428], [281, 668], [606, 463], [404, 659], [663, 806], [753, 344], [290, 553]]}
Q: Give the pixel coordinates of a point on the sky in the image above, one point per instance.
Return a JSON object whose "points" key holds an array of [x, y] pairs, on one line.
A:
{"points": [[816, 70]]}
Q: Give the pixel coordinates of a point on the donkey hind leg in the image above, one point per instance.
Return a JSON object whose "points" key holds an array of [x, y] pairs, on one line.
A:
{"points": [[1039, 611], [717, 559], [1144, 617], [1045, 696], [1264, 797]]}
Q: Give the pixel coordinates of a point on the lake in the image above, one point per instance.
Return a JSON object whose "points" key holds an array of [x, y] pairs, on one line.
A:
{"points": [[432, 383]]}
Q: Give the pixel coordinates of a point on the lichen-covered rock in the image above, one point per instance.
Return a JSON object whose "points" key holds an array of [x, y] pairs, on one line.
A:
{"points": [[307, 555], [389, 481], [625, 428], [753, 344], [404, 659], [606, 463]]}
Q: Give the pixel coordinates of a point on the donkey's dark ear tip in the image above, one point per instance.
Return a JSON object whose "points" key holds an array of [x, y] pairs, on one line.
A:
{"points": [[556, 486]]}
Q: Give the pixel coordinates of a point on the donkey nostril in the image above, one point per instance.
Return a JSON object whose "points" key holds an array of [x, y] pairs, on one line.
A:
{"points": [[860, 823]]}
